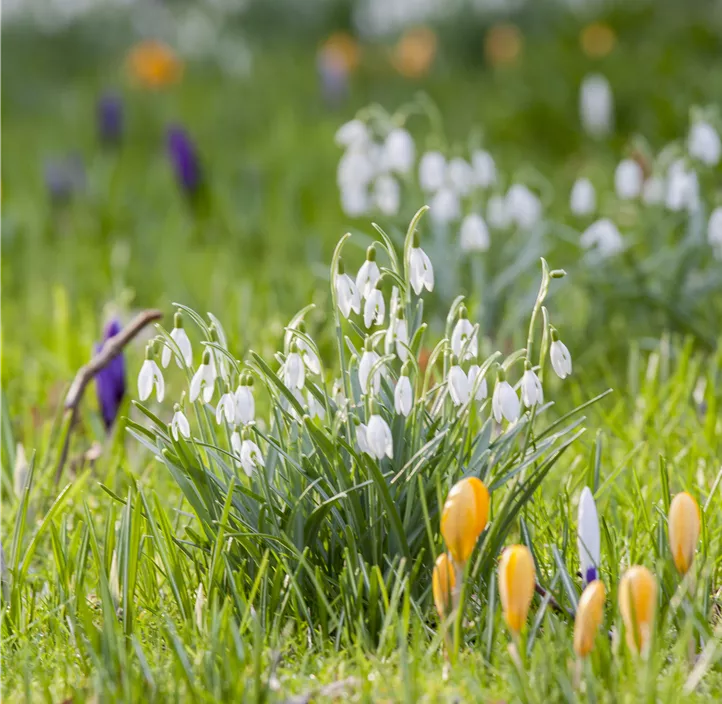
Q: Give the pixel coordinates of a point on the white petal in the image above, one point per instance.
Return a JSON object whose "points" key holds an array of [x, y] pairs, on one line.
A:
{"points": [[588, 541], [184, 344], [403, 396], [145, 380], [509, 402], [159, 382], [245, 404], [362, 438], [458, 384], [165, 355]]}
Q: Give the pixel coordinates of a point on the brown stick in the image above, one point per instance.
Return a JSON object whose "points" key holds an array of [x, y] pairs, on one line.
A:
{"points": [[87, 372], [556, 606]]}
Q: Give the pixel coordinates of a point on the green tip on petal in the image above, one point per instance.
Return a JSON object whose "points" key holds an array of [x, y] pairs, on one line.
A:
{"points": [[416, 241], [341, 269], [178, 319], [463, 313], [555, 334], [206, 357], [371, 254]]}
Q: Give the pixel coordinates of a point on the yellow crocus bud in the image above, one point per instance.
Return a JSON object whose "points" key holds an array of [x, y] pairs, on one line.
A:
{"points": [[683, 530], [443, 582], [589, 616], [464, 517], [516, 585], [638, 602]]}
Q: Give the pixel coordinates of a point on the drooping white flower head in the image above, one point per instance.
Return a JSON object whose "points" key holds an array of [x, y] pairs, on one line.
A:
{"points": [[180, 337], [421, 273], [460, 176], [653, 191], [559, 355], [588, 537], [315, 408], [596, 105], [714, 230], [369, 358], [352, 133], [497, 213], [703, 143], [179, 425], [458, 384], [387, 194], [374, 309], [245, 403], [474, 234], [362, 438], [204, 379], [628, 178], [337, 393], [482, 390], [432, 171], [531, 388], [604, 236], [397, 335], [355, 200], [523, 207], [399, 151], [403, 396], [464, 341], [504, 401], [445, 206], [150, 376], [368, 274], [294, 370], [379, 439], [583, 199], [251, 457], [484, 168], [226, 408], [347, 295], [682, 188]]}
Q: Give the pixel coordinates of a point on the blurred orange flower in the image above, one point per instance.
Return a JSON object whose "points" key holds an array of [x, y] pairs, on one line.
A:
{"points": [[153, 64], [415, 52], [503, 44], [597, 40], [341, 51]]}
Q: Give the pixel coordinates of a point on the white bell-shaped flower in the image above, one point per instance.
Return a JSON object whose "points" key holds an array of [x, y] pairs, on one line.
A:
{"points": [[474, 234], [703, 143], [387, 194], [432, 171], [251, 457], [204, 379], [464, 341], [399, 151], [362, 438], [504, 402], [445, 206], [368, 274], [460, 176], [347, 295], [531, 389], [379, 438], [315, 408], [628, 179], [604, 236], [653, 191], [596, 105], [294, 370], [226, 408], [484, 168], [245, 403], [337, 393], [355, 169], [682, 188], [398, 335], [560, 358], [179, 425], [482, 390], [374, 309], [588, 541], [421, 273], [497, 214], [523, 206], [403, 396], [583, 199], [369, 358], [352, 133], [355, 201], [714, 229], [180, 337], [458, 384], [150, 376]]}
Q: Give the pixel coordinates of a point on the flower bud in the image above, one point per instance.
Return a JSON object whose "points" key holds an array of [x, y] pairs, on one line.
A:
{"points": [[516, 585], [589, 616], [443, 583], [637, 603], [464, 517], [684, 527]]}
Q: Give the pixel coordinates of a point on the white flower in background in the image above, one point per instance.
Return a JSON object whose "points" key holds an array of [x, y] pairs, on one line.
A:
{"points": [[460, 176], [368, 274], [482, 390], [704, 143], [368, 360], [347, 295], [583, 199], [628, 179], [355, 169], [397, 335], [315, 409], [354, 201], [394, 302], [504, 402], [596, 105], [653, 191], [445, 206], [682, 187], [245, 403], [179, 425], [432, 171], [378, 438], [374, 309], [588, 537], [523, 207], [474, 234], [399, 151], [531, 389], [604, 235], [387, 194], [352, 133], [421, 273], [199, 606], [497, 213], [236, 442], [204, 379], [560, 357], [463, 337], [21, 470], [180, 337], [150, 376], [226, 408], [362, 438], [251, 456], [337, 392], [484, 168], [714, 230], [403, 396], [310, 358], [294, 370], [458, 384]]}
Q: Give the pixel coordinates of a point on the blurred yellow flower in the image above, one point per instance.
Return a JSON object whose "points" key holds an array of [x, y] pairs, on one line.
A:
{"points": [[503, 44], [638, 602], [589, 616], [153, 64], [443, 582], [597, 40], [517, 578], [684, 526], [415, 52], [341, 51], [464, 517]]}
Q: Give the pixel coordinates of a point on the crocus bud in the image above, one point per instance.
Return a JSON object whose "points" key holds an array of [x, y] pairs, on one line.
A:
{"points": [[683, 530], [443, 582], [110, 119], [516, 585], [184, 158], [590, 611], [637, 603], [110, 380], [464, 517]]}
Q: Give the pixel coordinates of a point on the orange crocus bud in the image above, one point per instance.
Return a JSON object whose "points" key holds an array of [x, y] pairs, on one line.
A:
{"points": [[637, 602], [464, 517], [443, 583], [684, 528], [589, 616], [153, 64], [517, 578]]}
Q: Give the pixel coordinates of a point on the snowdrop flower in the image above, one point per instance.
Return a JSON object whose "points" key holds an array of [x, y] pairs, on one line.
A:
{"points": [[704, 143], [682, 187], [315, 409], [179, 424], [337, 393], [355, 169], [583, 200], [309, 356], [352, 133], [531, 388], [484, 168], [397, 335], [368, 275], [604, 235], [504, 402], [374, 309], [560, 358], [399, 151], [245, 403], [294, 371], [628, 179], [226, 408], [432, 171], [403, 396], [347, 295], [463, 337], [458, 384], [588, 537], [354, 201], [474, 234], [180, 337], [362, 438], [460, 175], [653, 191], [379, 438], [251, 456], [368, 360], [445, 206], [714, 229], [387, 194], [421, 273], [596, 105], [150, 376], [482, 390], [204, 379], [497, 213], [523, 206]]}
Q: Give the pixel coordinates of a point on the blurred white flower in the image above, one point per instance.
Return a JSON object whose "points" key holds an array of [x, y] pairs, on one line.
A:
{"points": [[484, 168], [458, 384], [531, 389], [245, 404], [148, 377], [497, 212], [362, 438], [522, 206], [432, 171], [445, 206], [421, 273], [374, 309], [463, 336], [368, 360], [653, 191], [505, 402], [347, 294], [368, 274], [379, 438], [460, 176], [596, 105], [337, 393], [226, 408], [682, 187], [179, 425], [403, 396], [474, 234], [354, 201], [482, 390], [315, 409], [21, 469], [387, 194], [560, 358], [352, 133], [399, 151], [583, 199], [180, 337], [199, 606], [204, 379], [604, 235], [704, 143], [588, 536], [714, 230], [251, 457], [397, 335], [294, 370], [628, 179], [355, 169]]}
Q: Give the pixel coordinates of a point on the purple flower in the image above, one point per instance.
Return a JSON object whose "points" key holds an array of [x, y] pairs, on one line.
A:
{"points": [[110, 119], [110, 380], [184, 157], [333, 76], [64, 177]]}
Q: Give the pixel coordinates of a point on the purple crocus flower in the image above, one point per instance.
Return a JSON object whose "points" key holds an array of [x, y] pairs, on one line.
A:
{"points": [[64, 177], [110, 119], [110, 380], [184, 157], [333, 76]]}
